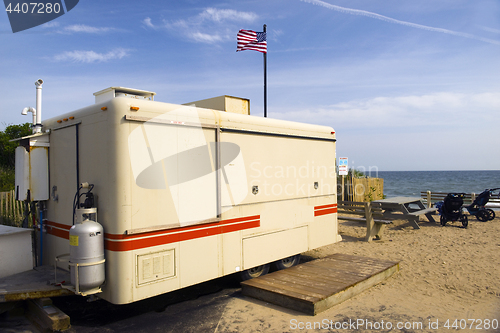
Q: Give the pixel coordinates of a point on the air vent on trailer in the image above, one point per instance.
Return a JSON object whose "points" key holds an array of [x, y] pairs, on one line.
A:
{"points": [[112, 92]]}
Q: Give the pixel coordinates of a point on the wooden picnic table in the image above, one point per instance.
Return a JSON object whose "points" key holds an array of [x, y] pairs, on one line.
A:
{"points": [[411, 207]]}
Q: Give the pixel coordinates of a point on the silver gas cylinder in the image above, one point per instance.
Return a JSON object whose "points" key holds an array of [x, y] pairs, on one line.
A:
{"points": [[86, 256]]}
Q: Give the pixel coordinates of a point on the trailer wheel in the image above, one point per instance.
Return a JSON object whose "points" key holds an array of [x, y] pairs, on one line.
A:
{"points": [[286, 262], [254, 272], [491, 212]]}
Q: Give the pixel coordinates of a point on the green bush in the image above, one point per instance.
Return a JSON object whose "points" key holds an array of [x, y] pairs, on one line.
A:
{"points": [[8, 153], [7, 148], [7, 179]]}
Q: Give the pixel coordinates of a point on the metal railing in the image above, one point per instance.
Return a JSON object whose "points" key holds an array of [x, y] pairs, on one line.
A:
{"points": [[432, 197]]}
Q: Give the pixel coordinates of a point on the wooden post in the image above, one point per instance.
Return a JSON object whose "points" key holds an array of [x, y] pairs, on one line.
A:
{"points": [[9, 206], [370, 224], [2, 210], [352, 185], [343, 187], [14, 203], [429, 203]]}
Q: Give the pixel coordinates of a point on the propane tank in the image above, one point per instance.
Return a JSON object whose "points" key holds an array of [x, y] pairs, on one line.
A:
{"points": [[86, 240]]}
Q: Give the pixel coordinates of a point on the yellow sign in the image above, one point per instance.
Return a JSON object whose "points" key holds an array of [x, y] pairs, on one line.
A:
{"points": [[73, 240]]}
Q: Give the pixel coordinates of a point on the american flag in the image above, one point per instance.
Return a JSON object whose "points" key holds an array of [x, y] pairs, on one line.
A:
{"points": [[251, 40]]}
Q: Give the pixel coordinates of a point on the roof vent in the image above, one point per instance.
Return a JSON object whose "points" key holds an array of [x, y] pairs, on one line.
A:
{"points": [[112, 92]]}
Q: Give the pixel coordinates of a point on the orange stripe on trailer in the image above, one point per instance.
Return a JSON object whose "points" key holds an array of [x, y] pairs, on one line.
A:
{"points": [[132, 242], [243, 226], [57, 225], [325, 209], [325, 212], [182, 229], [51, 230]]}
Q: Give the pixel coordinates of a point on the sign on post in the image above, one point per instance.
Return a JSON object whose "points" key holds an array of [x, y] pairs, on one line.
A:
{"points": [[343, 166]]}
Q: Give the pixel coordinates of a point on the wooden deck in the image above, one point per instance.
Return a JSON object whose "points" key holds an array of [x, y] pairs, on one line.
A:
{"points": [[36, 283], [316, 286]]}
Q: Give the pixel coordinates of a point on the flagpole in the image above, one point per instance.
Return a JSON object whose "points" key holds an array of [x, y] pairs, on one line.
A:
{"points": [[265, 79]]}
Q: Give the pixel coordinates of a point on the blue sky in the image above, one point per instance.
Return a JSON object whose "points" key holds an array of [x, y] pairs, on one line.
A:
{"points": [[407, 85]]}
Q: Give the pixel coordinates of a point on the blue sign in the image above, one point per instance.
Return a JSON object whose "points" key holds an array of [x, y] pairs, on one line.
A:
{"points": [[343, 166]]}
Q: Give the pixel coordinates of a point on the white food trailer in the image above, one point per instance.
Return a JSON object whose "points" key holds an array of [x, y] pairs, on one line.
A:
{"points": [[174, 195]]}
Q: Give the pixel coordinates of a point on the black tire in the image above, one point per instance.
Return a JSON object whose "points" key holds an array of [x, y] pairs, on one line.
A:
{"points": [[286, 262], [482, 215], [443, 221], [464, 220], [492, 214], [254, 272]]}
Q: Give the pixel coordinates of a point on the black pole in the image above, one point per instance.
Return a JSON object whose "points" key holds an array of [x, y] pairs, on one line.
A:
{"points": [[265, 78], [77, 165]]}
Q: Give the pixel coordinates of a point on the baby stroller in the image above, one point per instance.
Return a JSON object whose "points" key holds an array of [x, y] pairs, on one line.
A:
{"points": [[451, 209], [477, 207]]}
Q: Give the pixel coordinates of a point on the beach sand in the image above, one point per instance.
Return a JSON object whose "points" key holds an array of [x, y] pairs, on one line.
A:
{"points": [[446, 273]]}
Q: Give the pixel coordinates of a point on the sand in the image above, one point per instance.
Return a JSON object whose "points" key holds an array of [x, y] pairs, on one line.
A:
{"points": [[446, 274]]}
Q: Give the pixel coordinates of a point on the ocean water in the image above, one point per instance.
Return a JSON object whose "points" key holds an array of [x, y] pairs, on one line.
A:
{"points": [[411, 183]]}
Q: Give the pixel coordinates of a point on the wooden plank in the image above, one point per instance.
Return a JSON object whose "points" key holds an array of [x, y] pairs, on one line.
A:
{"points": [[315, 286], [2, 209], [351, 218], [356, 289], [301, 283], [357, 267], [345, 274], [16, 211], [382, 221], [33, 284], [9, 207], [351, 211], [284, 300], [319, 272], [355, 258], [329, 280], [47, 316], [423, 211], [359, 203], [284, 289], [344, 269]]}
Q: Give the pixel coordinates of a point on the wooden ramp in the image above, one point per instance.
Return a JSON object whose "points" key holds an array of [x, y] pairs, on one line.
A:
{"points": [[36, 283], [316, 286]]}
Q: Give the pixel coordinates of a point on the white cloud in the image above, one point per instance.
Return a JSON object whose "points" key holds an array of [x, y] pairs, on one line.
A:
{"points": [[147, 22], [221, 23], [495, 31], [443, 109], [86, 29], [405, 23], [204, 38], [445, 130], [220, 15], [51, 24], [91, 56]]}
